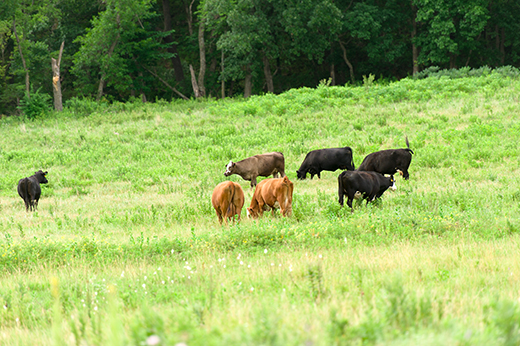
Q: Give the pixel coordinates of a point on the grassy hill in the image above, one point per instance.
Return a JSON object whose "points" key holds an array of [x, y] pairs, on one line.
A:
{"points": [[126, 244]]}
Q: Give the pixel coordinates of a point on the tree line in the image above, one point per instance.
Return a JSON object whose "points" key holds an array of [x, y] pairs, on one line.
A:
{"points": [[118, 50]]}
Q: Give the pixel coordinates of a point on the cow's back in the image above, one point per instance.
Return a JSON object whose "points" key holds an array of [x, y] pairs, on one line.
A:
{"points": [[270, 163]]}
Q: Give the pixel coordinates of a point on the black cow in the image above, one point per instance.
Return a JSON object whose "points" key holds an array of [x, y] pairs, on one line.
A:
{"points": [[326, 160], [30, 191], [389, 161], [370, 185]]}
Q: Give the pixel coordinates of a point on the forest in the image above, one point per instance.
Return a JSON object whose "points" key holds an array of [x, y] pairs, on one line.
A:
{"points": [[120, 50]]}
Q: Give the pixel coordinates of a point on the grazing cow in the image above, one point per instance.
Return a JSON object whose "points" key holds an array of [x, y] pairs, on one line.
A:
{"points": [[272, 193], [389, 161], [370, 185], [259, 165], [228, 200], [30, 191], [326, 160]]}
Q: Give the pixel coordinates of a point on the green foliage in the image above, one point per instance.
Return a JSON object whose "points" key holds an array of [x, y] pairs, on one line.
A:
{"points": [[37, 105]]}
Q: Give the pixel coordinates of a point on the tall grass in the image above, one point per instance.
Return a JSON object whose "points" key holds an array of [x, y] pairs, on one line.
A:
{"points": [[126, 227]]}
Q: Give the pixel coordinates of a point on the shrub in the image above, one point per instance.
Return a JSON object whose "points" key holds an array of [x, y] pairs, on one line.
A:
{"points": [[36, 105]]}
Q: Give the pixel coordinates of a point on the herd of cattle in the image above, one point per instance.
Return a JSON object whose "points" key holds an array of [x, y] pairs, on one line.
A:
{"points": [[368, 181]]}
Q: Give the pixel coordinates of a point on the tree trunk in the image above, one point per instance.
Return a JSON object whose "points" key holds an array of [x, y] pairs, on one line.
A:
{"points": [[350, 67], [176, 60], [202, 53], [27, 85], [248, 83], [268, 75], [166, 83], [332, 74], [194, 84], [56, 83], [104, 74], [415, 54], [222, 81], [502, 44]]}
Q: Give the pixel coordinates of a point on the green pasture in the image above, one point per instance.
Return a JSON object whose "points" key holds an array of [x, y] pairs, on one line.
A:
{"points": [[126, 247]]}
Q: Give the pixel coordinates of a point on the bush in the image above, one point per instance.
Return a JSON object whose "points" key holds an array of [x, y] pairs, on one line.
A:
{"points": [[35, 105]]}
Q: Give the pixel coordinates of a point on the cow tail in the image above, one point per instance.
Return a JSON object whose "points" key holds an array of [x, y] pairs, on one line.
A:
{"points": [[408, 146], [231, 207], [286, 190], [340, 190]]}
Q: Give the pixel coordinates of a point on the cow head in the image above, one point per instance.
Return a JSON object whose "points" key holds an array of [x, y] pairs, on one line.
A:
{"points": [[40, 175], [301, 174], [230, 168], [251, 213], [392, 183]]}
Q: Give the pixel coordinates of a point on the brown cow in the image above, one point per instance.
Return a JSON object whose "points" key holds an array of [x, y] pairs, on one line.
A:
{"points": [[259, 165], [228, 200], [273, 193]]}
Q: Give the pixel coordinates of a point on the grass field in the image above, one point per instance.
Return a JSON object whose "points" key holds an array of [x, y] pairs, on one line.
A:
{"points": [[126, 247]]}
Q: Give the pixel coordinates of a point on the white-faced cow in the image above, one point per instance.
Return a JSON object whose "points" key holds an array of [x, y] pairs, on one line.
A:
{"points": [[326, 160], [259, 165], [272, 193], [370, 185], [228, 200], [30, 191], [389, 161]]}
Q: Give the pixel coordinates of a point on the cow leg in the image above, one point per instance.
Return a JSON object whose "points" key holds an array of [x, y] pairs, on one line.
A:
{"points": [[27, 204], [319, 175], [219, 217], [349, 203], [275, 175]]}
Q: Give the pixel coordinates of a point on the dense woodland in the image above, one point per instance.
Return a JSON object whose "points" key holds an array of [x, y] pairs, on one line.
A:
{"points": [[118, 50]]}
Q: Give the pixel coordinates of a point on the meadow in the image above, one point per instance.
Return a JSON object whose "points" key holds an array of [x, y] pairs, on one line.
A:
{"points": [[126, 249]]}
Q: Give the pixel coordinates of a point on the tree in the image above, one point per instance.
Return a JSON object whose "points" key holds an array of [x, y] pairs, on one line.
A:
{"points": [[449, 29], [118, 49]]}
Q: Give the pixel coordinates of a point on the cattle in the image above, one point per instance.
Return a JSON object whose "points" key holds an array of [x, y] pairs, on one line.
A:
{"points": [[370, 185], [326, 160], [259, 165], [389, 161], [228, 200], [30, 191], [272, 193]]}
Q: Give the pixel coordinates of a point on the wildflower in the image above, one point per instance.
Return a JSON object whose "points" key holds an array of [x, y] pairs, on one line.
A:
{"points": [[153, 340], [319, 256], [272, 264], [252, 289], [144, 285], [265, 250], [95, 308], [145, 277], [224, 266], [162, 282], [172, 251], [241, 262], [123, 274]]}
